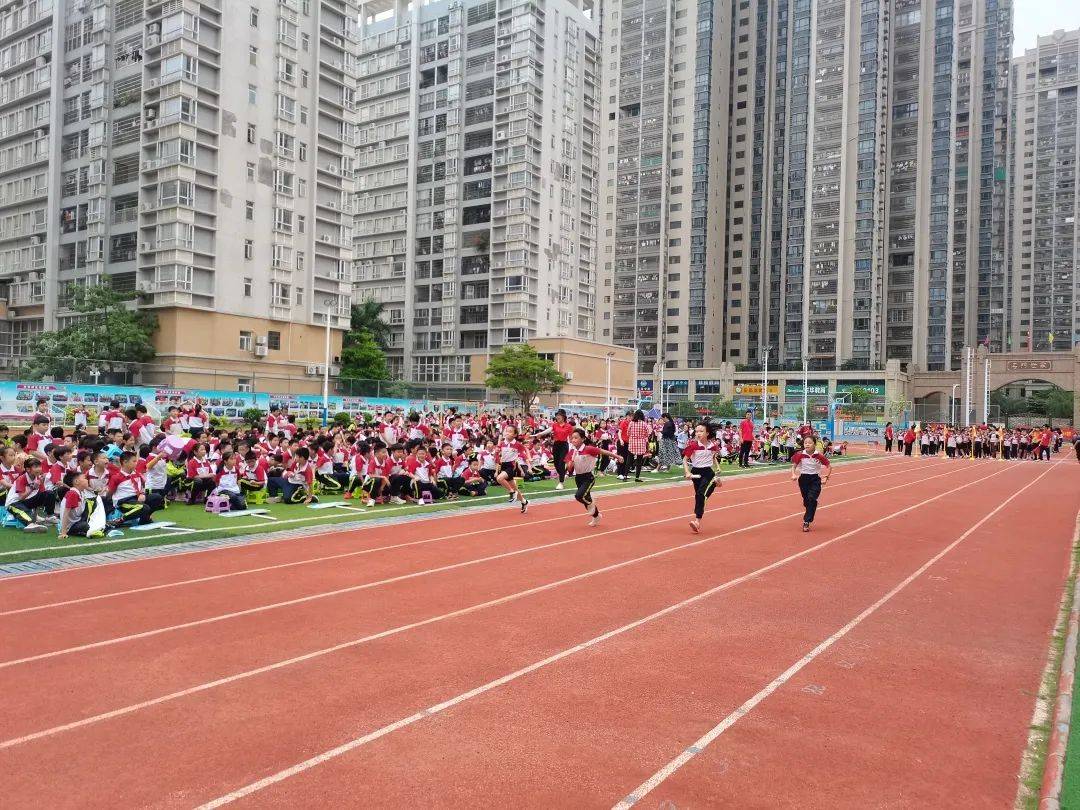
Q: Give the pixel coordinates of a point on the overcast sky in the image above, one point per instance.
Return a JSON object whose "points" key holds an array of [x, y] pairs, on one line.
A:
{"points": [[1032, 18]]}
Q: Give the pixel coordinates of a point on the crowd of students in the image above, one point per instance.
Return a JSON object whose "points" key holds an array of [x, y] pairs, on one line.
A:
{"points": [[976, 441], [92, 483]]}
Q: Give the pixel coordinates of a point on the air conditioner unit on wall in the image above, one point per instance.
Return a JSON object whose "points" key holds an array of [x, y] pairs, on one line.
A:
{"points": [[261, 351]]}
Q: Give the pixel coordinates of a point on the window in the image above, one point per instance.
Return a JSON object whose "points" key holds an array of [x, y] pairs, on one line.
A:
{"points": [[253, 56], [253, 94], [253, 17], [247, 341], [251, 171], [301, 224], [244, 385], [251, 133], [249, 209], [302, 154], [273, 340], [299, 296], [247, 288], [249, 249]]}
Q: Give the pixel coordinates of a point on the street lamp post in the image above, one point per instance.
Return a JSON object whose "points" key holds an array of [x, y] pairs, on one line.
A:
{"points": [[765, 386], [805, 391], [607, 400], [952, 405], [327, 302]]}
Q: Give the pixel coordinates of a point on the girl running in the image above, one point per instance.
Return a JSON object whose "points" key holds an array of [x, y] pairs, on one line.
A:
{"points": [[510, 452], [807, 466], [699, 462], [581, 463]]}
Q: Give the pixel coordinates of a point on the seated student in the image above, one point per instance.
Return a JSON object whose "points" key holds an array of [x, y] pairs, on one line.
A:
{"points": [[295, 483], [81, 508], [489, 464], [27, 494], [5, 435], [201, 475], [450, 471], [254, 471], [420, 469], [8, 471], [38, 439], [400, 481], [228, 482], [377, 472], [61, 461], [332, 482], [128, 490], [155, 472], [539, 468], [114, 444], [473, 482], [98, 475], [356, 469]]}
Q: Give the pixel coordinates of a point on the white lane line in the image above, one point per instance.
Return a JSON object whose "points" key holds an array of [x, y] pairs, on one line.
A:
{"points": [[361, 552], [373, 584], [203, 687], [544, 498], [710, 736], [352, 745]]}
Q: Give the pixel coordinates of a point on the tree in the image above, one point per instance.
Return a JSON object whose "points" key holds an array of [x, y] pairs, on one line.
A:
{"points": [[860, 400], [343, 419], [361, 358], [367, 315], [1053, 403], [723, 408], [683, 409], [1006, 405], [253, 417], [106, 335], [523, 372]]}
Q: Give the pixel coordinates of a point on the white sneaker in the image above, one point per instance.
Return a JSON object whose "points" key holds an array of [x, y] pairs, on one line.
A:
{"points": [[50, 519], [370, 503], [559, 485], [524, 506], [595, 519], [34, 528], [397, 500]]}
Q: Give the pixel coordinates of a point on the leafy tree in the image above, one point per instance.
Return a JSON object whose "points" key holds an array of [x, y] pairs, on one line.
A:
{"points": [[523, 372], [860, 400], [310, 423], [106, 335], [1006, 405], [723, 408], [367, 315], [683, 409], [361, 357], [343, 419], [1053, 403], [253, 417]]}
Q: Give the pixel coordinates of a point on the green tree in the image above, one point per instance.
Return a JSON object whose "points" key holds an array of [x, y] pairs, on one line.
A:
{"points": [[723, 408], [254, 417], [367, 315], [361, 357], [106, 335], [343, 419], [1053, 403], [860, 400], [523, 372], [683, 409], [1006, 405]]}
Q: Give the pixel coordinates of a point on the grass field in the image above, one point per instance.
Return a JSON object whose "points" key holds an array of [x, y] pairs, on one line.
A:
{"points": [[17, 546]]}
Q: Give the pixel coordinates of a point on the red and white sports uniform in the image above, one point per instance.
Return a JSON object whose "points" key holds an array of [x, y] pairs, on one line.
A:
{"points": [[126, 485], [200, 468], [301, 474], [112, 419], [421, 470], [25, 488], [809, 463], [38, 442], [701, 455], [582, 460]]}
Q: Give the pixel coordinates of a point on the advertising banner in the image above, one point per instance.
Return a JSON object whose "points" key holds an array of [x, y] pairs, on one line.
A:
{"points": [[860, 431], [876, 387], [814, 388]]}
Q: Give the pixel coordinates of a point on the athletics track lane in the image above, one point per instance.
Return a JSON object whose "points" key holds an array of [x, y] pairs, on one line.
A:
{"points": [[216, 739]]}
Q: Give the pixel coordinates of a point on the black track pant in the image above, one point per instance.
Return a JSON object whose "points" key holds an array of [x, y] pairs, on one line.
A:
{"points": [[584, 483], [704, 484], [888, 445], [559, 450], [744, 453], [810, 487]]}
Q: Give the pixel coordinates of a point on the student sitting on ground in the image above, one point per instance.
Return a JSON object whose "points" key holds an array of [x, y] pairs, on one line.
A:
{"points": [[29, 494], [228, 483], [296, 482], [81, 510], [128, 490], [201, 475]]}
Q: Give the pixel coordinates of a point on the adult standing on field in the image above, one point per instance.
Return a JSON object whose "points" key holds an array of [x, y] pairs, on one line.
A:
{"points": [[746, 437]]}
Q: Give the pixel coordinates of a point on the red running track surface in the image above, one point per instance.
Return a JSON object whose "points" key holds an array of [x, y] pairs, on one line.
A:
{"points": [[890, 657]]}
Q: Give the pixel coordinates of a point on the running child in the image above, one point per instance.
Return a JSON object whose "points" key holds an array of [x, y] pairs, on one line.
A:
{"points": [[510, 453], [699, 463], [580, 461], [811, 469]]}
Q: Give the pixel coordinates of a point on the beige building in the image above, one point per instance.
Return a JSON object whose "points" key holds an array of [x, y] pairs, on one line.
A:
{"points": [[197, 153]]}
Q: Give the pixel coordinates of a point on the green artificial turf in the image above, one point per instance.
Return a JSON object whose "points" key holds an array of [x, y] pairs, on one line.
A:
{"points": [[19, 546]]}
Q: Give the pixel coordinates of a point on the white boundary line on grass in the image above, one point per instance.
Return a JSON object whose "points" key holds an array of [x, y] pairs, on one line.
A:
{"points": [[710, 736], [239, 676], [380, 519], [426, 541], [423, 714], [373, 584]]}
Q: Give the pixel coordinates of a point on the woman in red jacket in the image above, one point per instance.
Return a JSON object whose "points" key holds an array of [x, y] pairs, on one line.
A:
{"points": [[909, 440]]}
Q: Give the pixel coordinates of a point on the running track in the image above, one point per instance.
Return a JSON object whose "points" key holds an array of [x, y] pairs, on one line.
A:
{"points": [[889, 658]]}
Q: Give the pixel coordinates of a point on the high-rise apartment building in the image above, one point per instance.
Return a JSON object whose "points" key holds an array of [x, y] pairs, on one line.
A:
{"points": [[478, 189], [1044, 242], [665, 142], [876, 225], [200, 152]]}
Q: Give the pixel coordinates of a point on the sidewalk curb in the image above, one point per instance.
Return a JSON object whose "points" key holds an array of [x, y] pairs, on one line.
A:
{"points": [[1053, 774]]}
